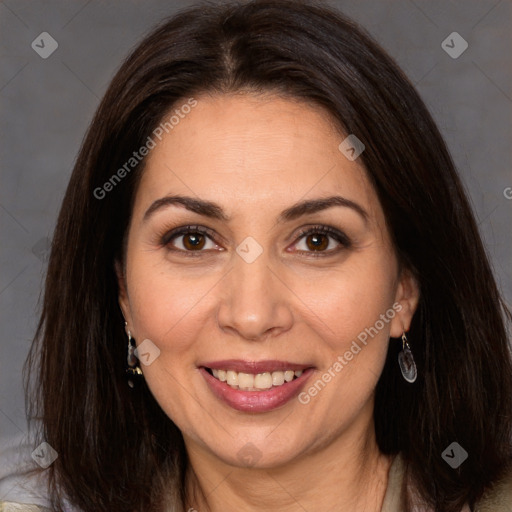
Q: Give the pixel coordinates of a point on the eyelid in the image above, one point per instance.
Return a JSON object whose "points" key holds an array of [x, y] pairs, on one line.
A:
{"points": [[184, 230], [170, 234], [340, 237]]}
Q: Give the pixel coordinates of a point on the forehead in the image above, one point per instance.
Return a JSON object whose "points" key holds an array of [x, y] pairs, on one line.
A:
{"points": [[255, 150]]}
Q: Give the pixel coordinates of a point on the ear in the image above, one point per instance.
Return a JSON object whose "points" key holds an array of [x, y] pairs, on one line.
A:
{"points": [[407, 297], [124, 302]]}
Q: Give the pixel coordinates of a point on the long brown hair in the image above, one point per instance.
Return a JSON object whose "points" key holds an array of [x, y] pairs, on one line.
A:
{"points": [[117, 449]]}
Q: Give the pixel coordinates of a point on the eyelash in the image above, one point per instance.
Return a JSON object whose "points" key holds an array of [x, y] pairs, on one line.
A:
{"points": [[337, 235], [328, 231]]}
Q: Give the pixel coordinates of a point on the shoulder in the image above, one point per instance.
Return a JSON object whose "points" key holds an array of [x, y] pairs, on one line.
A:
{"points": [[11, 506], [23, 485], [498, 498]]}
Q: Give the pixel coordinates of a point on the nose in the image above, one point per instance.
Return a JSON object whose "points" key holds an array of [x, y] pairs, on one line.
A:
{"points": [[255, 302]]}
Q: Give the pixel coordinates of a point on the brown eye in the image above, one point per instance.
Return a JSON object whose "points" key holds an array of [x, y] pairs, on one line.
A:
{"points": [[317, 242], [193, 241], [189, 239], [322, 241]]}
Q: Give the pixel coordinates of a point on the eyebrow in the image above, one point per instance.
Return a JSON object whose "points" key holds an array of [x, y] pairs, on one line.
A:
{"points": [[214, 211]]}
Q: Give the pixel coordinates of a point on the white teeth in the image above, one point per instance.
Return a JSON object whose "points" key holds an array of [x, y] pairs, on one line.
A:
{"points": [[232, 378], [263, 381], [258, 382], [245, 380], [277, 378], [288, 375]]}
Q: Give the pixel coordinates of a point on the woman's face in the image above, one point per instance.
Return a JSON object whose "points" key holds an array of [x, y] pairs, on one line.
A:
{"points": [[247, 294]]}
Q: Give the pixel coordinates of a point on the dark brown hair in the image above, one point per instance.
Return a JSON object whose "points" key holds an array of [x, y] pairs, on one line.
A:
{"points": [[117, 449]]}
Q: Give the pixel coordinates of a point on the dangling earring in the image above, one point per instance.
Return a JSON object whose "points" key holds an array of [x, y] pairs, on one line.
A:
{"points": [[133, 370], [406, 361]]}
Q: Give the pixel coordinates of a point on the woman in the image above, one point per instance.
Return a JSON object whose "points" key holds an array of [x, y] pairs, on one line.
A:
{"points": [[265, 205]]}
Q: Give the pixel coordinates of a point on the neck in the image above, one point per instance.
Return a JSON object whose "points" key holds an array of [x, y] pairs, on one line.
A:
{"points": [[347, 474]]}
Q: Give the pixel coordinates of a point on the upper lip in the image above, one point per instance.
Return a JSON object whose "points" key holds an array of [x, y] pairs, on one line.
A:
{"points": [[239, 365]]}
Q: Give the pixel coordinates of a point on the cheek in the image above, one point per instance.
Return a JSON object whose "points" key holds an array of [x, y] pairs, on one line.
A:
{"points": [[353, 314], [352, 299], [171, 309], [353, 335], [166, 305]]}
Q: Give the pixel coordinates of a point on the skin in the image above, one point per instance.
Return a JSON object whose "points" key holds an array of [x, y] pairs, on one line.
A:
{"points": [[256, 156]]}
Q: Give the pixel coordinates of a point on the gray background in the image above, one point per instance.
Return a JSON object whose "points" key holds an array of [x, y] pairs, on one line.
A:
{"points": [[47, 104]]}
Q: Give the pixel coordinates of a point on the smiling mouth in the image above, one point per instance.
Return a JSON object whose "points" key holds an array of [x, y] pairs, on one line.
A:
{"points": [[254, 382]]}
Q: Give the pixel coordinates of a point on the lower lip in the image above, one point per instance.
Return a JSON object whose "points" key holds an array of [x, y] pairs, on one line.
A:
{"points": [[256, 401]]}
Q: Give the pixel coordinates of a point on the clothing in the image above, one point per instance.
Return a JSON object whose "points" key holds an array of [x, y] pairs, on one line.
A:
{"points": [[18, 487], [27, 495], [496, 499], [9, 506]]}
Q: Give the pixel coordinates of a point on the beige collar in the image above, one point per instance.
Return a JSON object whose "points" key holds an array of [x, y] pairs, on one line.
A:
{"points": [[496, 499], [392, 499]]}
